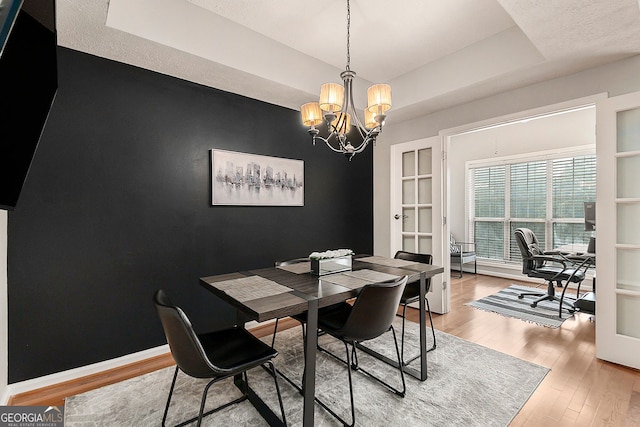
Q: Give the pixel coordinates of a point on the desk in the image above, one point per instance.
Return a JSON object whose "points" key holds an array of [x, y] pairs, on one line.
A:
{"points": [[308, 293], [584, 260]]}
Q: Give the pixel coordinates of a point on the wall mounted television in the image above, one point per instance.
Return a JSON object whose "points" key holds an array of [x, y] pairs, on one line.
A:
{"points": [[29, 82]]}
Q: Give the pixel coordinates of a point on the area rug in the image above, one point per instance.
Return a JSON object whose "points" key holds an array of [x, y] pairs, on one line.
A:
{"points": [[507, 303], [467, 385]]}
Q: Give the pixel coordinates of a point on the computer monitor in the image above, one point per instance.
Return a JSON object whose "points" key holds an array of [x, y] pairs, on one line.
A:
{"points": [[589, 216]]}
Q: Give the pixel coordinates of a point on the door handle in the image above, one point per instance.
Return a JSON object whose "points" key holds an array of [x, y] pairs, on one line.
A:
{"points": [[396, 216]]}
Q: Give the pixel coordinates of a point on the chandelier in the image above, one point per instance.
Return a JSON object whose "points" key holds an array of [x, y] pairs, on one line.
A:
{"points": [[337, 110]]}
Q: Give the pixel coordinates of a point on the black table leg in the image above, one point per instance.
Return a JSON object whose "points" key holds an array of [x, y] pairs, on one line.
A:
{"points": [[423, 327], [309, 384]]}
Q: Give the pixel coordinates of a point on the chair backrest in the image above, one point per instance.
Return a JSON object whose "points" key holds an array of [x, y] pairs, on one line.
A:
{"points": [[421, 258], [183, 341], [412, 256], [374, 310], [453, 247], [528, 245]]}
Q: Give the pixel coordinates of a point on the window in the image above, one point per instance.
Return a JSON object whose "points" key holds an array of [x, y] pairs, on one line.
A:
{"points": [[545, 193]]}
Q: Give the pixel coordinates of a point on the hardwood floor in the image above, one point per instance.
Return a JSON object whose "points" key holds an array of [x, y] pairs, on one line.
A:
{"points": [[580, 390]]}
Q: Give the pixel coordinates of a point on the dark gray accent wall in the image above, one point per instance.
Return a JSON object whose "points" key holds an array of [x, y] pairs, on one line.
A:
{"points": [[117, 204]]}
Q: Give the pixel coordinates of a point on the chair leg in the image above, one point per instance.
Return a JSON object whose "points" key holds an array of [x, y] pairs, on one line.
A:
{"points": [[204, 399], [356, 367], [433, 334], [433, 330], [404, 385], [275, 379], [349, 363], [275, 329], [404, 311], [549, 295], [300, 388], [201, 413], [166, 408], [460, 277]]}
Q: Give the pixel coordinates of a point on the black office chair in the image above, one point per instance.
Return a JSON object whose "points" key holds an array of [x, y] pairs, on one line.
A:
{"points": [[550, 266], [216, 355], [370, 316], [411, 294]]}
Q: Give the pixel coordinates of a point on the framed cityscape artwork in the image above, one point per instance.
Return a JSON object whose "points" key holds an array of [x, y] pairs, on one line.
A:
{"points": [[254, 180]]}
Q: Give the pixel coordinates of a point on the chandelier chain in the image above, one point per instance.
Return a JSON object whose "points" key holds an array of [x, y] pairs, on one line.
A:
{"points": [[348, 35]]}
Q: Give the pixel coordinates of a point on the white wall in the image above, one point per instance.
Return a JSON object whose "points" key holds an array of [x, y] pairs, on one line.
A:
{"points": [[616, 78], [4, 367]]}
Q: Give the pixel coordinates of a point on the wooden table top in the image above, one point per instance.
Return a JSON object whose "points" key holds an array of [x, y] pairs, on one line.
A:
{"points": [[304, 286]]}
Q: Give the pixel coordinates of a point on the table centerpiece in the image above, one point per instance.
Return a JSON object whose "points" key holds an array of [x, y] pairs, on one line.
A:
{"points": [[331, 261]]}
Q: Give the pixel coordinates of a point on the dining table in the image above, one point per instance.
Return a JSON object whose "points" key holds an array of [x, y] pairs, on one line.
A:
{"points": [[264, 294]]}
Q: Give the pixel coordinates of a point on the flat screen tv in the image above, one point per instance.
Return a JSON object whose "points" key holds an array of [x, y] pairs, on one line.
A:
{"points": [[28, 85]]}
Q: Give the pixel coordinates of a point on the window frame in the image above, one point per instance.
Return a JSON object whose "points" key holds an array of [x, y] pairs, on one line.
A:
{"points": [[547, 156]]}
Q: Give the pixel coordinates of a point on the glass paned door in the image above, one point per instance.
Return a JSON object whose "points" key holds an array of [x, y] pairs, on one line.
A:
{"points": [[416, 207], [617, 230], [417, 199]]}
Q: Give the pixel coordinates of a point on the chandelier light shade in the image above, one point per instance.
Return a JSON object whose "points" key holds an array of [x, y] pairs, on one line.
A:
{"points": [[369, 119], [311, 114], [379, 98], [331, 97], [337, 110]]}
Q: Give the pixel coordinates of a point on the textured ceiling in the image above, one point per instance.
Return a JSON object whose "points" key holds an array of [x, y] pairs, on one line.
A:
{"points": [[434, 53]]}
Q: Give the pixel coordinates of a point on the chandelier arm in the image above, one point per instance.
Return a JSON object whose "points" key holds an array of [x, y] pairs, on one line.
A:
{"points": [[369, 138], [335, 134], [327, 141]]}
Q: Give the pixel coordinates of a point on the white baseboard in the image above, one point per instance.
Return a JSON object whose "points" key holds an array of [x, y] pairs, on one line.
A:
{"points": [[4, 398], [72, 374]]}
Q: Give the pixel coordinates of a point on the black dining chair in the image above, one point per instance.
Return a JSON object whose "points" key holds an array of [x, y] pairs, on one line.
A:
{"points": [[214, 355], [370, 316], [411, 294]]}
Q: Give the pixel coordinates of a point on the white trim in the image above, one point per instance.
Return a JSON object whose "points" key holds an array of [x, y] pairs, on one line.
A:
{"points": [[523, 115], [83, 371], [579, 150]]}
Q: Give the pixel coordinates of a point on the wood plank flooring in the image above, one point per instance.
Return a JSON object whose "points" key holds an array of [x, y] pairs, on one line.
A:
{"points": [[580, 390]]}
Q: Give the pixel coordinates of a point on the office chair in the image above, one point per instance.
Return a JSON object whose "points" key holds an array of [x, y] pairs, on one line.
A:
{"points": [[411, 294], [215, 355], [552, 267], [370, 316]]}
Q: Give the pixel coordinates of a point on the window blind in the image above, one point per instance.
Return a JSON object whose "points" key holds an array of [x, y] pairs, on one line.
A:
{"points": [[546, 196]]}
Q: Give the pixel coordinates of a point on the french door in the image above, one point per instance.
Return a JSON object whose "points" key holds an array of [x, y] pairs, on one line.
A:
{"points": [[618, 230], [416, 208]]}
